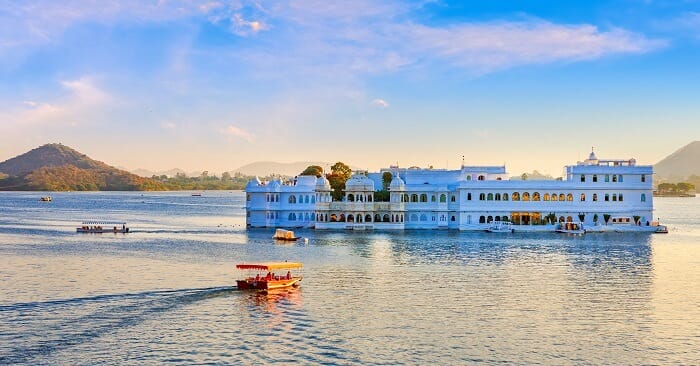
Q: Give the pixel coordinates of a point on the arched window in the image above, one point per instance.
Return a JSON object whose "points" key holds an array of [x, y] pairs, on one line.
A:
{"points": [[452, 218], [569, 197], [369, 198], [386, 218], [546, 197], [482, 219], [489, 219], [414, 198], [614, 197], [351, 218], [482, 196], [300, 199], [378, 218], [469, 196], [561, 218], [595, 178], [313, 199], [414, 217], [607, 178], [368, 218], [489, 197], [526, 196], [583, 197], [342, 218], [360, 198], [595, 197], [497, 197], [516, 196], [469, 177], [619, 197], [504, 218], [423, 197], [481, 177], [453, 198], [569, 219], [505, 196], [292, 216], [351, 197], [306, 199], [644, 197], [277, 198], [334, 218], [561, 197], [405, 197], [423, 217], [620, 179], [583, 178], [443, 198], [432, 198], [607, 197], [554, 197], [614, 177], [536, 196], [292, 199], [643, 178]]}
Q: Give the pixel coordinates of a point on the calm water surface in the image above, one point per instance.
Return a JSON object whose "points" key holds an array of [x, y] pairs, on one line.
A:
{"points": [[163, 293]]}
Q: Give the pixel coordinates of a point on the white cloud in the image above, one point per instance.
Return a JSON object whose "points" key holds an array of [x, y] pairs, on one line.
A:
{"points": [[80, 102], [168, 125], [380, 103], [238, 132], [243, 27]]}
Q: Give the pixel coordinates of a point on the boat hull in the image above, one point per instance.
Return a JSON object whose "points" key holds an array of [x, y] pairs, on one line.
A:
{"points": [[262, 284], [97, 231]]}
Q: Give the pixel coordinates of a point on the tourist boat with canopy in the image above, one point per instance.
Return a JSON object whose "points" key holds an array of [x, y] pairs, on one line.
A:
{"points": [[255, 279], [570, 228], [99, 227], [286, 235]]}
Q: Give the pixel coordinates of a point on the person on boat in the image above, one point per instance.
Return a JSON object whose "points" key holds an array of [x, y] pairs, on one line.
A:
{"points": [[257, 277], [268, 276], [289, 275]]}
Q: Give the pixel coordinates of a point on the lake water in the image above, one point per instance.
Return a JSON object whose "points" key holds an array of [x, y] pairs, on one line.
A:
{"points": [[163, 293]]}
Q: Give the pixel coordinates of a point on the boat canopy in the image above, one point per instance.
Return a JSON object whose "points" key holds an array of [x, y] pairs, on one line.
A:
{"points": [[104, 223], [270, 266]]}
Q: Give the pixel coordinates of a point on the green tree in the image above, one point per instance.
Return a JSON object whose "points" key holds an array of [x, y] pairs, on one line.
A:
{"points": [[340, 173], [225, 177], [685, 187], [524, 176], [313, 170], [386, 180]]}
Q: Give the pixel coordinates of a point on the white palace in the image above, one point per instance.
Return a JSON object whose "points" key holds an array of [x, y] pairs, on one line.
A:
{"points": [[470, 198]]}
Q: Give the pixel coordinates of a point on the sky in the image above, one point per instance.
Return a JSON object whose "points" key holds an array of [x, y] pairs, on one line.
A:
{"points": [[218, 84]]}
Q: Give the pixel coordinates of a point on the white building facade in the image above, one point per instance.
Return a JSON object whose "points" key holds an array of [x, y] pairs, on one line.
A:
{"points": [[602, 194]]}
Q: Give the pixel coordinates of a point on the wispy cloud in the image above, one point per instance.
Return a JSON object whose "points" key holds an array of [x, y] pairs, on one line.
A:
{"points": [[81, 99], [380, 103], [238, 132]]}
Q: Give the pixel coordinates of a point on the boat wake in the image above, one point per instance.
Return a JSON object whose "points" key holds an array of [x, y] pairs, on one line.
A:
{"points": [[39, 329]]}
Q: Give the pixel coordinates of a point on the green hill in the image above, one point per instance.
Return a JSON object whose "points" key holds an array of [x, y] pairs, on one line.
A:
{"points": [[56, 167]]}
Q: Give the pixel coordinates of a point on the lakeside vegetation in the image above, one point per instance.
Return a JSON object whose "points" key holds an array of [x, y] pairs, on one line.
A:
{"points": [[682, 189]]}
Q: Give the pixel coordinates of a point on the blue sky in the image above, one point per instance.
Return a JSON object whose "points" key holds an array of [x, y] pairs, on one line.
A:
{"points": [[218, 84]]}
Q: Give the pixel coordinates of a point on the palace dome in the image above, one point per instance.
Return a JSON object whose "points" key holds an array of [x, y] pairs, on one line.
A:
{"points": [[255, 182], [322, 184], [359, 182], [397, 184]]}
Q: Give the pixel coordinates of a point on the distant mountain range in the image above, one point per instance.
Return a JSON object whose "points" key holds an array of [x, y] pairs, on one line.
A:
{"points": [[680, 165], [56, 167], [259, 168]]}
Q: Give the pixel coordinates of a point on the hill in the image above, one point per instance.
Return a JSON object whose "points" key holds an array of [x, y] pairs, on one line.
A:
{"points": [[56, 167], [678, 166], [265, 168]]}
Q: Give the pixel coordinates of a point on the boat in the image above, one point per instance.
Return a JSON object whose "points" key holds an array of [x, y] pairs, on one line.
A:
{"points": [[270, 280], [286, 235], [500, 227], [99, 227], [570, 228], [661, 229], [46, 199], [196, 194]]}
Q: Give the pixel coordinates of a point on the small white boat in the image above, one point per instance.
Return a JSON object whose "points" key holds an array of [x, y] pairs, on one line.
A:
{"points": [[570, 228], [46, 199], [500, 227], [286, 235]]}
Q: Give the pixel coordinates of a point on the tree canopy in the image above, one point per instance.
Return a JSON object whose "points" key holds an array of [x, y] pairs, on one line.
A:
{"points": [[339, 174], [313, 170]]}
